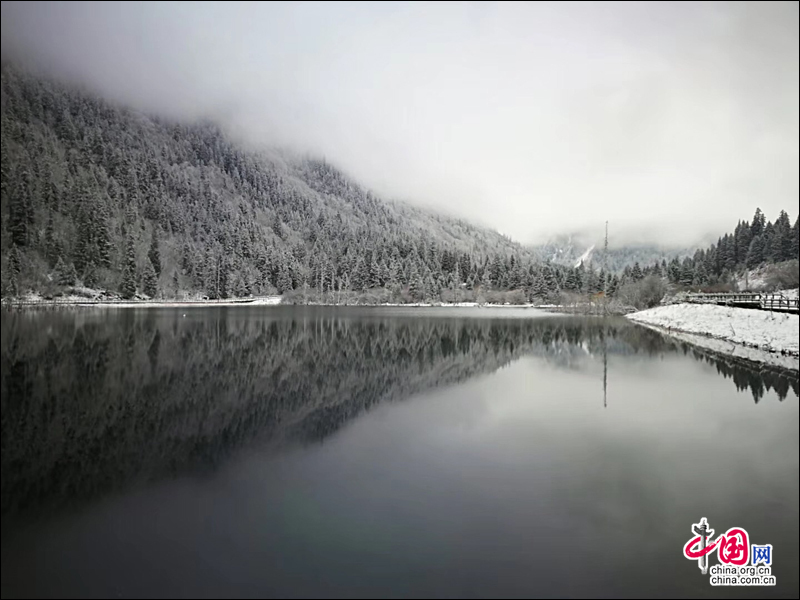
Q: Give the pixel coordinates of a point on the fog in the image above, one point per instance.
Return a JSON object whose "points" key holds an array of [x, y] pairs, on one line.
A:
{"points": [[674, 120]]}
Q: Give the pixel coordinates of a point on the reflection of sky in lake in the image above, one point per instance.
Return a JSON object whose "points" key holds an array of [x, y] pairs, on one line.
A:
{"points": [[509, 482]]}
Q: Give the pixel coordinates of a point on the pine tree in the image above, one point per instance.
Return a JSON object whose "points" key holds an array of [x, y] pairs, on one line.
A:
{"points": [[755, 254], [796, 238], [128, 285], [51, 250], [700, 275], [613, 286], [101, 233], [636, 272], [550, 282], [602, 281], [373, 276], [571, 282], [774, 251], [757, 226], [64, 274], [84, 250], [486, 281], [150, 279], [71, 276], [743, 239], [211, 275], [187, 260], [361, 274], [81, 254], [90, 275], [539, 288], [674, 270], [728, 249], [464, 266], [59, 272], [416, 289], [154, 254], [497, 271], [782, 240], [768, 235], [284, 280], [15, 262], [392, 273], [579, 277], [596, 284], [277, 226], [225, 269], [20, 210], [687, 272]]}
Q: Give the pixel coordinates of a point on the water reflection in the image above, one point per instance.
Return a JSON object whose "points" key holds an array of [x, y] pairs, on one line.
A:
{"points": [[95, 401]]}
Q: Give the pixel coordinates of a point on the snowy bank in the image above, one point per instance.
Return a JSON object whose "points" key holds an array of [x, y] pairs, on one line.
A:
{"points": [[740, 353], [773, 332], [34, 301]]}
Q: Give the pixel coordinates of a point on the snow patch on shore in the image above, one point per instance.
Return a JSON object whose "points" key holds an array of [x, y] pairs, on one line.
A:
{"points": [[34, 300], [770, 331]]}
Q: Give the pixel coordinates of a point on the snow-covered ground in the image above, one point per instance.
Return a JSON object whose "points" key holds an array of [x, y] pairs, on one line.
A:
{"points": [[765, 277], [76, 300], [774, 332], [584, 257], [789, 293], [34, 300], [754, 280], [427, 305], [418, 304]]}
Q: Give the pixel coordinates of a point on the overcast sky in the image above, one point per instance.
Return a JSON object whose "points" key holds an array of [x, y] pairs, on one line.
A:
{"points": [[672, 119]]}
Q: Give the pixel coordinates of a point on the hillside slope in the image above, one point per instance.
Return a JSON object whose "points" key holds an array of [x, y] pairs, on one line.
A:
{"points": [[99, 195]]}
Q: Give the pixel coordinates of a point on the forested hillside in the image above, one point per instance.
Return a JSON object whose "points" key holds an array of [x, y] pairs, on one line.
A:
{"points": [[100, 196], [750, 245]]}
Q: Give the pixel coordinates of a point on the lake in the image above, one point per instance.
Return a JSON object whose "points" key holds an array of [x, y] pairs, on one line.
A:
{"points": [[355, 452]]}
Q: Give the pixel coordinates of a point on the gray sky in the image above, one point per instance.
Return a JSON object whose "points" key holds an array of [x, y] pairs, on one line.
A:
{"points": [[673, 120]]}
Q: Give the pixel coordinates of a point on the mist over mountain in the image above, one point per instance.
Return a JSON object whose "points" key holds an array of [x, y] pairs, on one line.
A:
{"points": [[572, 250], [98, 195], [534, 119], [104, 198]]}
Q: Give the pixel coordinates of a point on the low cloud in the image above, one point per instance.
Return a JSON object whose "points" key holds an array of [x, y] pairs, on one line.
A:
{"points": [[535, 119]]}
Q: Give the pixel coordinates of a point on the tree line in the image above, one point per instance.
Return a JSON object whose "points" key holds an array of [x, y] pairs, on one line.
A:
{"points": [[750, 245]]}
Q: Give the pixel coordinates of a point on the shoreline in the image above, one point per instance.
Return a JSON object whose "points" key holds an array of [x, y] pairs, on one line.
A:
{"points": [[75, 301], [739, 353], [780, 358], [732, 331], [259, 301], [90, 303]]}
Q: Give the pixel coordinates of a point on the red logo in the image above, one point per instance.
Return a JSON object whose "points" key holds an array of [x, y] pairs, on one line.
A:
{"points": [[733, 547]]}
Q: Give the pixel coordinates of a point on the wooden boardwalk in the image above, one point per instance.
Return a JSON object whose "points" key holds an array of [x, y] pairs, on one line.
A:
{"points": [[760, 301]]}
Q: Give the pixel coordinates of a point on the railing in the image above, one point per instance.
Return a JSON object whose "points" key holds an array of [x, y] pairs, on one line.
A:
{"points": [[762, 301], [780, 302]]}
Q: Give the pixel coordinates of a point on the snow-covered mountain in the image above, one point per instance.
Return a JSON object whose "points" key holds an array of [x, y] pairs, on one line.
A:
{"points": [[572, 250], [584, 258]]}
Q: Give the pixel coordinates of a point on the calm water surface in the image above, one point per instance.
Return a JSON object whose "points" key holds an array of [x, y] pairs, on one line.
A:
{"points": [[294, 452]]}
